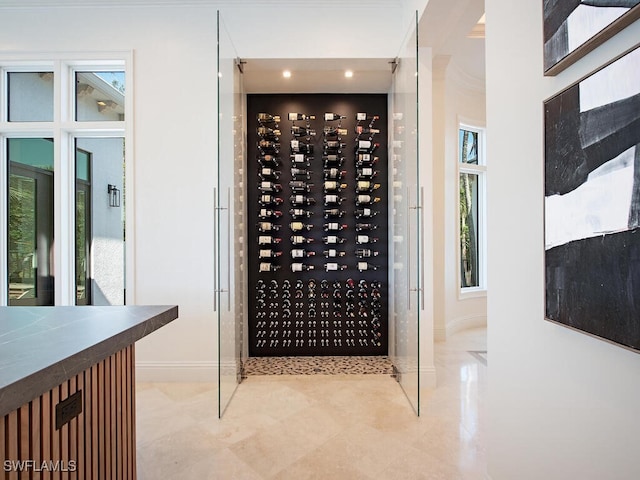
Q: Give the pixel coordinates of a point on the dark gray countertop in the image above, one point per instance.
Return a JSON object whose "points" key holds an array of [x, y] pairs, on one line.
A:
{"points": [[41, 347]]}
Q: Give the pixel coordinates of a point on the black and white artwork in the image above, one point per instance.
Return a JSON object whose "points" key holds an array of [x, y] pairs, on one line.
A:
{"points": [[572, 28], [592, 204]]}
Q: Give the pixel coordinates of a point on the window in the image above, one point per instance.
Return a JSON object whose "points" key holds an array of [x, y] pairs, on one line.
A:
{"points": [[62, 120], [471, 175]]}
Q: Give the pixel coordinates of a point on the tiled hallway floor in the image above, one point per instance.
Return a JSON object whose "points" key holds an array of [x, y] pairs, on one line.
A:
{"points": [[325, 427]]}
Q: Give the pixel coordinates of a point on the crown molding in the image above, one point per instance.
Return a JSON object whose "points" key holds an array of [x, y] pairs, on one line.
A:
{"points": [[395, 4]]}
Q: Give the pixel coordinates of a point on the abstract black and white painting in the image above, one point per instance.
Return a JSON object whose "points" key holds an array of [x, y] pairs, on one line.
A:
{"points": [[592, 204], [572, 28]]}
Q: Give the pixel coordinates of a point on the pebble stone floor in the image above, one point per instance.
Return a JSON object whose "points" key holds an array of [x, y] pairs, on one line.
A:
{"points": [[325, 427]]}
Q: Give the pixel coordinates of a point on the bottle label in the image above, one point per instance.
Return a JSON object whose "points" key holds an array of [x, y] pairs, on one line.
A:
{"points": [[265, 253], [363, 266], [298, 157], [367, 171], [362, 239], [331, 266], [364, 144], [265, 267], [297, 253], [296, 267], [264, 240], [296, 226], [361, 116], [364, 185], [333, 226], [332, 253], [332, 239]]}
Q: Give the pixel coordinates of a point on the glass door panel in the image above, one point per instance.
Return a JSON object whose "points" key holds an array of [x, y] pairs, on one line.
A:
{"points": [[405, 224], [229, 212], [100, 221], [30, 202]]}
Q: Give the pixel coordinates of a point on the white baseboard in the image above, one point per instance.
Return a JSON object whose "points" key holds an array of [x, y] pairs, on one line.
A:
{"points": [[205, 371], [463, 323], [428, 378]]}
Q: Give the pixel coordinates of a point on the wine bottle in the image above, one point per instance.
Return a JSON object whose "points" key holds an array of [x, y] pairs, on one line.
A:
{"points": [[333, 186], [299, 226], [364, 266], [366, 199], [299, 213], [333, 239], [300, 267], [334, 132], [332, 160], [268, 118], [334, 173], [269, 213], [267, 133], [300, 172], [301, 253], [268, 173], [331, 267], [366, 146], [365, 226], [298, 132], [268, 240], [366, 186], [268, 227], [300, 147], [333, 213], [366, 173], [365, 253], [300, 158], [360, 130], [365, 213], [268, 267], [270, 200], [333, 253], [271, 187], [329, 116], [332, 199], [300, 240], [366, 160], [268, 253], [333, 147], [363, 117], [268, 160], [300, 116], [268, 145], [301, 200], [334, 227], [300, 186], [364, 239]]}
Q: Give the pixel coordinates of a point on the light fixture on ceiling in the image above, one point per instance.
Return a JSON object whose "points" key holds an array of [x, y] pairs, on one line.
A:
{"points": [[286, 74], [348, 73]]}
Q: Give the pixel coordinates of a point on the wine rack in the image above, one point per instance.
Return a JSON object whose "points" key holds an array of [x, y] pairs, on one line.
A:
{"points": [[317, 225]]}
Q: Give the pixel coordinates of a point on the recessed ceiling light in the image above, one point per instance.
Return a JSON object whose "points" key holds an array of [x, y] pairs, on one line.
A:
{"points": [[348, 74], [286, 74]]}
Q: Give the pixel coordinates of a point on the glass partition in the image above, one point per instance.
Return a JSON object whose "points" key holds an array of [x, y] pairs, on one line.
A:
{"points": [[229, 212], [405, 213]]}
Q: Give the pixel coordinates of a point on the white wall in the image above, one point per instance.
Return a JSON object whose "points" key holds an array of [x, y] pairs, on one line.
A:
{"points": [[562, 405], [457, 99], [175, 104]]}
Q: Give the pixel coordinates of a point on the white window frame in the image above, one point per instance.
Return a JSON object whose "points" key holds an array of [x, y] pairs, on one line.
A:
{"points": [[64, 129], [480, 170]]}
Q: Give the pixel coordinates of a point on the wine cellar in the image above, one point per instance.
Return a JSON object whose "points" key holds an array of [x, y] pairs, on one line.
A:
{"points": [[317, 217]]}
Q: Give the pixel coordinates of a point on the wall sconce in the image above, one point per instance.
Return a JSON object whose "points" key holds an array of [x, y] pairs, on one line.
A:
{"points": [[114, 195]]}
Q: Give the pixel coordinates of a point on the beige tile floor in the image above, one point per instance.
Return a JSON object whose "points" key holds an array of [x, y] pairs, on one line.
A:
{"points": [[320, 426]]}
